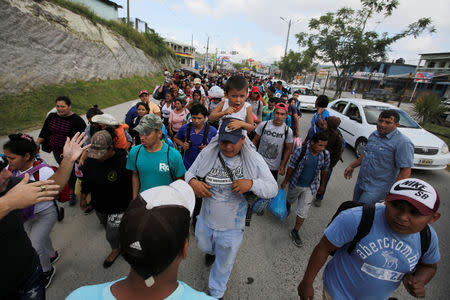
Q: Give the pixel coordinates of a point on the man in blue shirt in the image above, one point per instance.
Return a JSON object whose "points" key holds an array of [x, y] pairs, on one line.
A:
{"points": [[390, 253], [388, 157], [194, 144], [307, 165], [154, 238]]}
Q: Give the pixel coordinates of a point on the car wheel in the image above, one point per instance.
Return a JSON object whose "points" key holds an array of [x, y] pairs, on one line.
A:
{"points": [[360, 146]]}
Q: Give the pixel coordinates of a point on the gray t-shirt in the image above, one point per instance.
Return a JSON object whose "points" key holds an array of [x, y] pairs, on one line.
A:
{"points": [[271, 142], [224, 210], [257, 107]]}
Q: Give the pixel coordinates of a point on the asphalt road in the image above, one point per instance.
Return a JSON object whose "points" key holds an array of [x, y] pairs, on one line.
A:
{"points": [[268, 265]]}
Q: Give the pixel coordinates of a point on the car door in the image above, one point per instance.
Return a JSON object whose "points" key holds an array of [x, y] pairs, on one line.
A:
{"points": [[338, 109], [351, 123]]}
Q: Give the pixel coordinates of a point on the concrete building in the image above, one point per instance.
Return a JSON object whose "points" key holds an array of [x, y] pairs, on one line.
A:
{"points": [[439, 65], [185, 53], [105, 9]]}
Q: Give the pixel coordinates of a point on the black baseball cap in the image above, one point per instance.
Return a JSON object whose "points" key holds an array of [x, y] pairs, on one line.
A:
{"points": [[155, 226]]}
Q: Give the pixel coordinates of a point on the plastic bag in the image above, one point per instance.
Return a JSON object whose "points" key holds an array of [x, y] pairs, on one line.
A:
{"points": [[259, 205], [278, 205]]}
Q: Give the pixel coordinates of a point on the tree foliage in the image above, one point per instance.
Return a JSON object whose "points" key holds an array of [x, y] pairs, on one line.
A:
{"points": [[342, 38], [295, 63], [240, 66], [429, 108]]}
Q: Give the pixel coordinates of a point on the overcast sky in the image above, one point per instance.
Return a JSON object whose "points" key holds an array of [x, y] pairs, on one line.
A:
{"points": [[254, 27]]}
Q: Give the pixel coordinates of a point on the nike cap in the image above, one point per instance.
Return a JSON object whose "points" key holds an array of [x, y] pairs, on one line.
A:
{"points": [[418, 193]]}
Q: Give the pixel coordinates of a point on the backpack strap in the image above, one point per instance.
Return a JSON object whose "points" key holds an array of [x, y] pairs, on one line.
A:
{"points": [[188, 132], [302, 153], [135, 162], [368, 214], [262, 133], [286, 131], [425, 240], [168, 164], [205, 134]]}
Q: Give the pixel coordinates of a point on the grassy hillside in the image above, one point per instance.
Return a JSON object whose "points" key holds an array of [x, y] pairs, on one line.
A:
{"points": [[28, 110], [150, 42]]}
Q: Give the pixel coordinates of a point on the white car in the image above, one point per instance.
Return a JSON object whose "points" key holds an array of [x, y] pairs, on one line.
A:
{"points": [[314, 86], [307, 98], [359, 118]]}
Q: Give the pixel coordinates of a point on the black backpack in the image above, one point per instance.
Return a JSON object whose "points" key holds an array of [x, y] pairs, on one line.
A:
{"points": [[368, 214], [168, 162], [205, 133]]}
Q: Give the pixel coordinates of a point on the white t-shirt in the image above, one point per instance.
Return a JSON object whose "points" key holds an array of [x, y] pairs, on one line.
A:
{"points": [[271, 142], [165, 111]]}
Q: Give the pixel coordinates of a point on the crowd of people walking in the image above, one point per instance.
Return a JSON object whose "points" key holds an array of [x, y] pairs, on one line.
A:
{"points": [[196, 163]]}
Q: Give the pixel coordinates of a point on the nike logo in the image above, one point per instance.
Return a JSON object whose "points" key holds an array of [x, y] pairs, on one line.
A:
{"points": [[403, 188]]}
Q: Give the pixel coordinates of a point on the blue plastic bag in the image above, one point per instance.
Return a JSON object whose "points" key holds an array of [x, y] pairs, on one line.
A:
{"points": [[260, 204], [278, 205]]}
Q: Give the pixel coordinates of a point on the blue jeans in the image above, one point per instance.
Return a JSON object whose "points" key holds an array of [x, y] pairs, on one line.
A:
{"points": [[225, 245], [360, 195], [320, 196], [32, 289]]}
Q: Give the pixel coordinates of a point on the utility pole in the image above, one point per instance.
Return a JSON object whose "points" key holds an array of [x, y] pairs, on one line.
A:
{"points": [[206, 56], [128, 12], [287, 36]]}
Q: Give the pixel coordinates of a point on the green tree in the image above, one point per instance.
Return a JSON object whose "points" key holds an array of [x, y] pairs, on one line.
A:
{"points": [[295, 63], [240, 66], [342, 38]]}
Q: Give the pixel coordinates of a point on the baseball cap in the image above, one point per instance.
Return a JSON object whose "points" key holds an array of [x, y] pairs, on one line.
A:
{"points": [[282, 106], [105, 119], [197, 81], [225, 134], [101, 141], [149, 123], [216, 92], [155, 226], [418, 193], [143, 92]]}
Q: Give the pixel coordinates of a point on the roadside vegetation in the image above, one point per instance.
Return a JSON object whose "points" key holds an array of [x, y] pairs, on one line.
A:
{"points": [[150, 42], [441, 131], [28, 110]]}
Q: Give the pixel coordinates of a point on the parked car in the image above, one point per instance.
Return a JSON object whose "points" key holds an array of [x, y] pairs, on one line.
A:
{"points": [[314, 86], [378, 94], [307, 97], [359, 118]]}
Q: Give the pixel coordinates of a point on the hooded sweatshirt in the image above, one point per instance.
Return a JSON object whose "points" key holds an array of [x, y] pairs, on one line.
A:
{"points": [[257, 106]]}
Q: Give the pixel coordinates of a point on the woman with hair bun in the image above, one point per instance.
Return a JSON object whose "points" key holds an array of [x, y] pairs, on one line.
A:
{"points": [[56, 129], [39, 219]]}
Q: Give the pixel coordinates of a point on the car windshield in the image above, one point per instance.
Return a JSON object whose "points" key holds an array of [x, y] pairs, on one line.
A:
{"points": [[372, 113]]}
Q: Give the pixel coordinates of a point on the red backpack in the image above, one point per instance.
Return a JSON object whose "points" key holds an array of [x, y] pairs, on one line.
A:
{"points": [[64, 195]]}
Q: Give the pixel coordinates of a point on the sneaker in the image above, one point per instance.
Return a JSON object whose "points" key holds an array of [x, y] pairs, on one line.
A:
{"points": [[317, 203], [88, 210], [54, 258], [209, 259], [48, 276], [296, 238], [72, 199]]}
